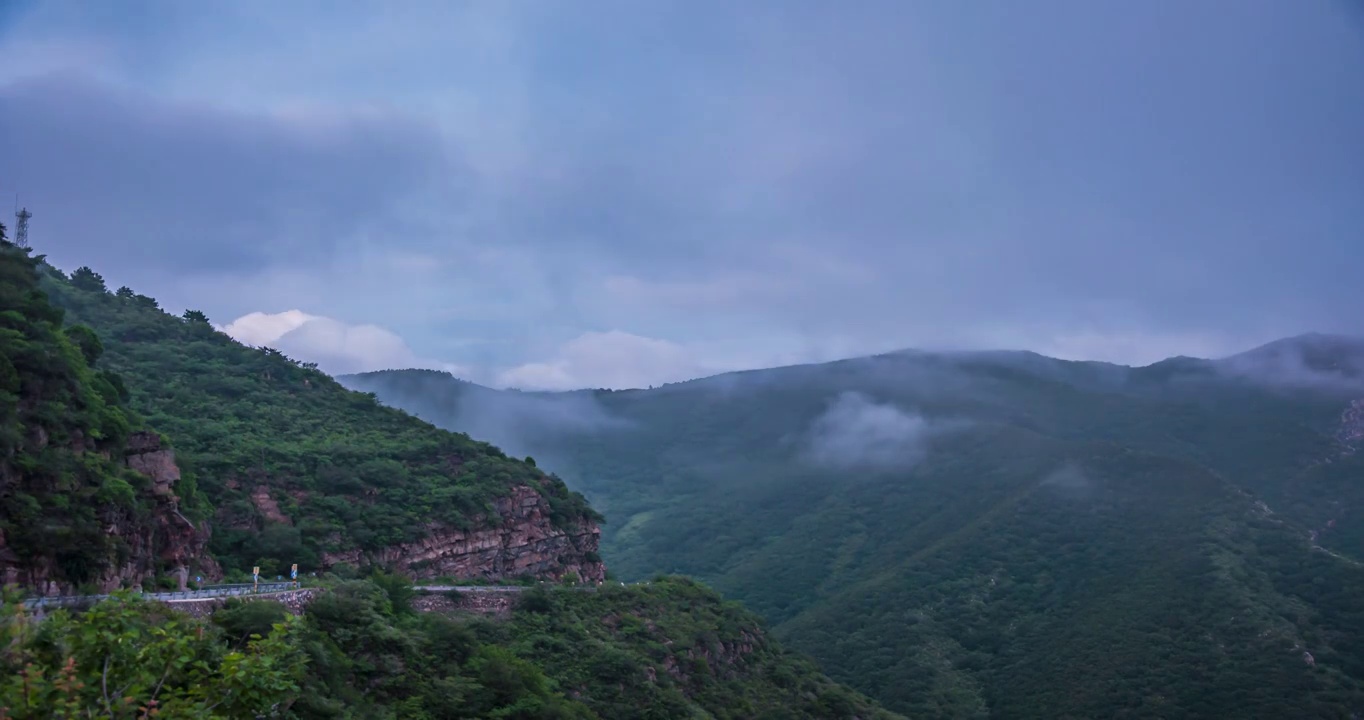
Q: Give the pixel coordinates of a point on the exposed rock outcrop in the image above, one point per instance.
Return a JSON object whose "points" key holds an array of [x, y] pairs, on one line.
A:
{"points": [[523, 542], [723, 658], [268, 506], [144, 454], [160, 540], [169, 540]]}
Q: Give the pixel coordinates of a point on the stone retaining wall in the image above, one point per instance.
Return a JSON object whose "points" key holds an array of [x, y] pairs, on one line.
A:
{"points": [[495, 604], [293, 600]]}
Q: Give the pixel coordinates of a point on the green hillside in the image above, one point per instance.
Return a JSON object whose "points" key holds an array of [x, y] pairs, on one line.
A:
{"points": [[346, 472], [75, 517], [64, 429], [671, 649], [993, 533]]}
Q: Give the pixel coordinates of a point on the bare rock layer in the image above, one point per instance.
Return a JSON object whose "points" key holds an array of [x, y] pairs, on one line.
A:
{"points": [[519, 541]]}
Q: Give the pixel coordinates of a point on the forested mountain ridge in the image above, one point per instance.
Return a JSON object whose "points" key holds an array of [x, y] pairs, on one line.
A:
{"points": [[87, 497], [295, 468], [962, 534]]}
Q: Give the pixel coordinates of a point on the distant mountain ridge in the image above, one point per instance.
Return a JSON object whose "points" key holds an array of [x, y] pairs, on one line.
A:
{"points": [[976, 533], [1315, 352], [1312, 358]]}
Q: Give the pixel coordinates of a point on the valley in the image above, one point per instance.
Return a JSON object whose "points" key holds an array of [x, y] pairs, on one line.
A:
{"points": [[946, 534], [997, 534], [607, 360]]}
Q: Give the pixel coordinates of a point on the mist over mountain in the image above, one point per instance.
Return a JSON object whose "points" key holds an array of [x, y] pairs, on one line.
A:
{"points": [[934, 335], [276, 468], [1311, 360], [855, 432], [531, 421], [957, 533]]}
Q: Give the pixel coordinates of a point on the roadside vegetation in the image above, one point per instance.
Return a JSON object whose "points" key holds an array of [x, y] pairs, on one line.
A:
{"points": [[672, 649]]}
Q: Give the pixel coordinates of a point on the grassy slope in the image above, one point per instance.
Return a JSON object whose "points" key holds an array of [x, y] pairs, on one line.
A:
{"points": [[968, 583]]}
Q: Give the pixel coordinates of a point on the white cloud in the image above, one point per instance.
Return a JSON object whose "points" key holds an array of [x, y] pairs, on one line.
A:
{"points": [[337, 347], [613, 359], [260, 328], [856, 431]]}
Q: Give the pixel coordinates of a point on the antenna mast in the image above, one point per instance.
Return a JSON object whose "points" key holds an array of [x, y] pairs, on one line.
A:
{"points": [[21, 227]]}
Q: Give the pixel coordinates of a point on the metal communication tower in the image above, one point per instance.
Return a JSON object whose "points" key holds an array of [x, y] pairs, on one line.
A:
{"points": [[21, 227]]}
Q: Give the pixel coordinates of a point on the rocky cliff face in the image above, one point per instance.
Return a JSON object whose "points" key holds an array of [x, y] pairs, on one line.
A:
{"points": [[169, 540], [521, 541], [722, 658], [161, 540]]}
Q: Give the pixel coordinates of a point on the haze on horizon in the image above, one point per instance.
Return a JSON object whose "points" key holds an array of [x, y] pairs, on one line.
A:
{"points": [[617, 194]]}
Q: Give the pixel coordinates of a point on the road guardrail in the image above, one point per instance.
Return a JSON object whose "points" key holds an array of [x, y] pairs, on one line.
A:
{"points": [[204, 593]]}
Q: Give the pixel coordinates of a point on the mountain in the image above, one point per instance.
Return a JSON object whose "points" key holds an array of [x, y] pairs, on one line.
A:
{"points": [[297, 469], [671, 649], [89, 497], [265, 460], [998, 533], [1313, 358]]}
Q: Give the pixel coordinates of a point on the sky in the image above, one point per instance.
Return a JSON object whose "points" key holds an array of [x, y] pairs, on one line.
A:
{"points": [[613, 193]]}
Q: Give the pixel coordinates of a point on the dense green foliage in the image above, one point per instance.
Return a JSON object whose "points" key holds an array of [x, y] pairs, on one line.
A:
{"points": [[670, 649], [62, 430], [347, 472], [993, 533], [125, 658], [561, 654]]}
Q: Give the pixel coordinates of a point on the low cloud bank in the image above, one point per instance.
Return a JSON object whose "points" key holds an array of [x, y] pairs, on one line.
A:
{"points": [[1317, 361], [1070, 478], [520, 423], [531, 424], [613, 359], [857, 432]]}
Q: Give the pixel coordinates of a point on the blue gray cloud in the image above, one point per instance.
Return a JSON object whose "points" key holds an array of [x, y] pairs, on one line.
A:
{"points": [[179, 188], [618, 193]]}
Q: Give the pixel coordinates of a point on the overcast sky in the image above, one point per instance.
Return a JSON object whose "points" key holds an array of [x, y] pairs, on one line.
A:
{"points": [[559, 193]]}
